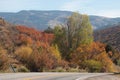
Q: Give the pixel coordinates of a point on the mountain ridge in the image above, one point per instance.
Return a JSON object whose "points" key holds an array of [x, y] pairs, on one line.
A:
{"points": [[109, 36], [44, 19]]}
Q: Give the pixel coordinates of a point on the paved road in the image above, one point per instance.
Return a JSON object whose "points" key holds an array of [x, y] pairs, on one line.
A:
{"points": [[48, 76]]}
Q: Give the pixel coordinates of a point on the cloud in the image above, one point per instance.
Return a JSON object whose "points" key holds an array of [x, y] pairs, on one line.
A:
{"points": [[17, 5], [9, 5], [74, 5], [92, 7], [109, 13]]}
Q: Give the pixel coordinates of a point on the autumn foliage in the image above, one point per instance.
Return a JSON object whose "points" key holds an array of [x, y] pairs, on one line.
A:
{"points": [[23, 53], [3, 59], [95, 51], [41, 51], [67, 48], [30, 35]]}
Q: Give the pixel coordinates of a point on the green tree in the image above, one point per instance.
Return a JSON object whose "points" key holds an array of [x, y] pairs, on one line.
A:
{"points": [[77, 31], [60, 39]]}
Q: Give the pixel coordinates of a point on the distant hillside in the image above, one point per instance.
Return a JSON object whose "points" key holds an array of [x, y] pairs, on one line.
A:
{"points": [[37, 19], [109, 36], [14, 39], [12, 36], [103, 22], [43, 19]]}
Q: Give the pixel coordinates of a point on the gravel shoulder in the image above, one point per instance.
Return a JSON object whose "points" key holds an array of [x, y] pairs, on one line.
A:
{"points": [[118, 75], [105, 77]]}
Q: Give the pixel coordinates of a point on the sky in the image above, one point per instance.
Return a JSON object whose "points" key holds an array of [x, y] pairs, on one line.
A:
{"points": [[107, 8]]}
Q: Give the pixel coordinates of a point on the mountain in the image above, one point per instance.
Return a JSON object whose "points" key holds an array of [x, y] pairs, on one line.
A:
{"points": [[103, 22], [43, 19], [109, 36], [38, 19]]}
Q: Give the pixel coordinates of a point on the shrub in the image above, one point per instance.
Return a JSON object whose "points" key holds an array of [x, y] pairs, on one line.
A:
{"points": [[118, 62], [86, 52], [92, 65], [55, 51], [23, 69], [107, 63], [23, 53], [3, 59], [95, 51], [63, 64], [42, 60]]}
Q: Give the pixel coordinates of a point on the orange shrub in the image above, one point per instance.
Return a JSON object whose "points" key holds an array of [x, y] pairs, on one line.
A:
{"points": [[3, 59], [23, 53], [95, 51]]}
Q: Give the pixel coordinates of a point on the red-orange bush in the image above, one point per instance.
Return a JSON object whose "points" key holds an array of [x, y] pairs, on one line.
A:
{"points": [[95, 51], [41, 61]]}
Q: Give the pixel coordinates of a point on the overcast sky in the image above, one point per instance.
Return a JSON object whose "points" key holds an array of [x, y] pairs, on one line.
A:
{"points": [[108, 8]]}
